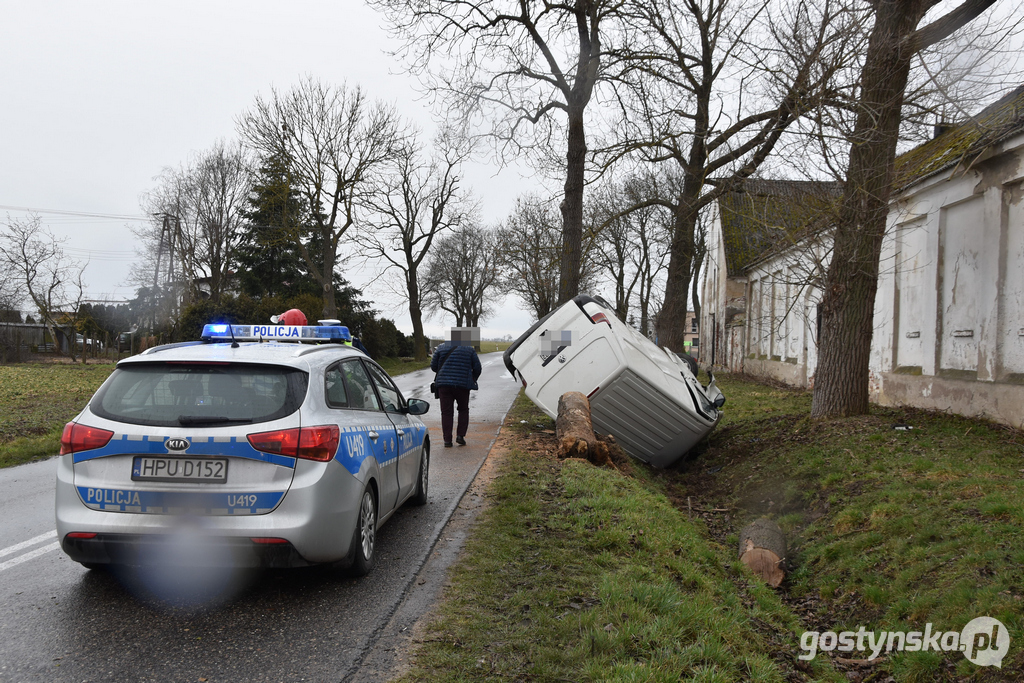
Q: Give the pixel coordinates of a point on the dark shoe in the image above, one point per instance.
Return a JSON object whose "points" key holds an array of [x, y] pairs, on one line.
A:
{"points": [[447, 444], [461, 440]]}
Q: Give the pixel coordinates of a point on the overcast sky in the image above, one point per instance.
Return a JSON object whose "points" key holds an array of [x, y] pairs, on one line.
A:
{"points": [[99, 97]]}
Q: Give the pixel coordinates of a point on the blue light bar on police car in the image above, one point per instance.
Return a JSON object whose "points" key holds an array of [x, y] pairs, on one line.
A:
{"points": [[300, 333]]}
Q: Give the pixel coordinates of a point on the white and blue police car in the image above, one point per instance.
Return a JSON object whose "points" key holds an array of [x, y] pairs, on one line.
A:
{"points": [[285, 446]]}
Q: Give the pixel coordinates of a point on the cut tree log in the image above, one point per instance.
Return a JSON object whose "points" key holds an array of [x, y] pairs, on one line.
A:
{"points": [[763, 549], [575, 431]]}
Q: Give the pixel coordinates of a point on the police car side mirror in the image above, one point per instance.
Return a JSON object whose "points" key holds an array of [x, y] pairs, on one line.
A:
{"points": [[417, 406]]}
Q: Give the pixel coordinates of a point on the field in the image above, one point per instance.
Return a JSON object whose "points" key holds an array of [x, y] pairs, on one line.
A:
{"points": [[36, 400]]}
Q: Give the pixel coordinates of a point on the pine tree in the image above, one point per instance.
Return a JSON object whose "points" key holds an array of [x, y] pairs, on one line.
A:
{"points": [[268, 260]]}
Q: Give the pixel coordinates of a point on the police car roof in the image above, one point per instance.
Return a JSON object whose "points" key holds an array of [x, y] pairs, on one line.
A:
{"points": [[282, 353]]}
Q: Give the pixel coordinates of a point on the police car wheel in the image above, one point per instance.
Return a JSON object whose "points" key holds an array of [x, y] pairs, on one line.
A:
{"points": [[92, 565], [364, 538], [420, 497]]}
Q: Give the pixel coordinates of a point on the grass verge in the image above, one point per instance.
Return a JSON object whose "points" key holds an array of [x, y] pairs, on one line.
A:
{"points": [[578, 573], [896, 519]]}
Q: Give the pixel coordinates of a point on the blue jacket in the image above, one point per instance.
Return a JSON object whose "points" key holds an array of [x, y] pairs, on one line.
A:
{"points": [[461, 368]]}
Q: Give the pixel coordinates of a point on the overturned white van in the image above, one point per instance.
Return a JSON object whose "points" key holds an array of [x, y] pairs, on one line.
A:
{"points": [[646, 397]]}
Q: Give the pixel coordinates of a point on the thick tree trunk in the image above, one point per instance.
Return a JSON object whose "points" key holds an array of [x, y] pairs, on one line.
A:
{"points": [[848, 299], [672, 318], [419, 349], [572, 207], [575, 431]]}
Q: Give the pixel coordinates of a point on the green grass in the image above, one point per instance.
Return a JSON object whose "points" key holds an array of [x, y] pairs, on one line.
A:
{"points": [[580, 574], [37, 399], [400, 366], [889, 529]]}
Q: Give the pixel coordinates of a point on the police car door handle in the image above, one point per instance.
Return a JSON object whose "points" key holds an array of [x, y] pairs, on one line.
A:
{"points": [[401, 432], [373, 435]]}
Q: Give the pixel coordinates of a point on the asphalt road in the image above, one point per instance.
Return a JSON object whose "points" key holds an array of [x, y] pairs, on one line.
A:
{"points": [[61, 622]]}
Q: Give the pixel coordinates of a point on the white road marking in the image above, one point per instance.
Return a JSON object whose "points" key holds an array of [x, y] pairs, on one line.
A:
{"points": [[29, 556], [25, 544]]}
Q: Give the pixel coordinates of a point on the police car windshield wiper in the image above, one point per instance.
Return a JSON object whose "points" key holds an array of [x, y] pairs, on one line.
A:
{"points": [[210, 419]]}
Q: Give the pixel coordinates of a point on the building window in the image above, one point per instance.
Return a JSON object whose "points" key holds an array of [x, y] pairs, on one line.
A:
{"points": [[693, 325]]}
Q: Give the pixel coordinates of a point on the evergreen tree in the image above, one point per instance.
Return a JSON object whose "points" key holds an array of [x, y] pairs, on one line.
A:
{"points": [[268, 260]]}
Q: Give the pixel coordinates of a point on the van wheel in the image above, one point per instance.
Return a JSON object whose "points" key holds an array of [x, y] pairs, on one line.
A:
{"points": [[364, 538], [420, 497], [691, 362]]}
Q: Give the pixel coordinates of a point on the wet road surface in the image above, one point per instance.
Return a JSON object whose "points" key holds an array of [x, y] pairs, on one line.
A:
{"points": [[61, 622]]}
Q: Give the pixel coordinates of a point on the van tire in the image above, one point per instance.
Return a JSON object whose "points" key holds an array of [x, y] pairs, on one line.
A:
{"points": [[690, 361]]}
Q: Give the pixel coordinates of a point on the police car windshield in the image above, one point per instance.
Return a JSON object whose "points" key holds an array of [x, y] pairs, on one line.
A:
{"points": [[183, 394]]}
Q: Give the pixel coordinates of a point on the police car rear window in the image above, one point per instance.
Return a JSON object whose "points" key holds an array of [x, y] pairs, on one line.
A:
{"points": [[200, 394]]}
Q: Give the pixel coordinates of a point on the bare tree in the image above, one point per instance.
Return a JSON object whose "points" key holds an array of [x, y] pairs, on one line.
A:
{"points": [[512, 64], [530, 244], [710, 88], [197, 214], [631, 242], [848, 298], [338, 143], [52, 281], [417, 200], [463, 275]]}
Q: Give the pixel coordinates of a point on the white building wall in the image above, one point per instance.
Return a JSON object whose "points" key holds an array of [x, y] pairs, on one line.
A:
{"points": [[949, 311]]}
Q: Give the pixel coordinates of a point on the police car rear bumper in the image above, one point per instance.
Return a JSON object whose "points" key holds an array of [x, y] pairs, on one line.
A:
{"points": [[316, 520], [151, 549]]}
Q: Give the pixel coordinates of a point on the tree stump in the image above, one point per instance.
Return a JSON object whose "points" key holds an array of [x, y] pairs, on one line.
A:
{"points": [[575, 431], [763, 549]]}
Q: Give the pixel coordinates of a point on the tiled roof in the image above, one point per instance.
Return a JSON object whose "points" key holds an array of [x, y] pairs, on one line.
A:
{"points": [[964, 142], [764, 214]]}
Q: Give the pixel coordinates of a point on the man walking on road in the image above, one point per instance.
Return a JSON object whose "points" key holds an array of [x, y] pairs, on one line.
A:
{"points": [[457, 367]]}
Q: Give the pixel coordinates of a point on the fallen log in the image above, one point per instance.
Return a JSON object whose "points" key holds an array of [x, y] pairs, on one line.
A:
{"points": [[763, 549], [575, 431]]}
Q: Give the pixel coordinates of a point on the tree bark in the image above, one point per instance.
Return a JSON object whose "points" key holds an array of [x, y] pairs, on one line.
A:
{"points": [[848, 299], [672, 318], [572, 207], [575, 431]]}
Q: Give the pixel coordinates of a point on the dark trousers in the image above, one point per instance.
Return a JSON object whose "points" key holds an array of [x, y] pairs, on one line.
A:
{"points": [[448, 397]]}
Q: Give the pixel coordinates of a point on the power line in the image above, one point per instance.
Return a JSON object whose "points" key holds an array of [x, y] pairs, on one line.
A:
{"points": [[82, 214]]}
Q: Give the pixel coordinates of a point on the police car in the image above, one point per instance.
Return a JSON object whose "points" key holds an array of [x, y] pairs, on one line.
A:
{"points": [[280, 443]]}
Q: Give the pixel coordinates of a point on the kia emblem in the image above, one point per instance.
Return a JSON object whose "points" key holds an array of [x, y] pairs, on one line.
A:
{"points": [[177, 444]]}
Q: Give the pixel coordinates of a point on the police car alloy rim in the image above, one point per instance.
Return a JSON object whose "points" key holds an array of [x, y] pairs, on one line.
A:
{"points": [[367, 527], [424, 470]]}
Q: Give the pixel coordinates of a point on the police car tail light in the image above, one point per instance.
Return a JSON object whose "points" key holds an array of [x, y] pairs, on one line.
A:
{"points": [[77, 438], [319, 443], [262, 540], [82, 534], [310, 443], [279, 442]]}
